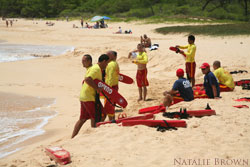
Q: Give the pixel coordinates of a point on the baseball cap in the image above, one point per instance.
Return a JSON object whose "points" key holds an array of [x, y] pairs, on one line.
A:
{"points": [[204, 65], [180, 72]]}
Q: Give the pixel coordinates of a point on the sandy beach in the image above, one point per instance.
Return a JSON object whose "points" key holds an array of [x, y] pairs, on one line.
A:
{"points": [[218, 140]]}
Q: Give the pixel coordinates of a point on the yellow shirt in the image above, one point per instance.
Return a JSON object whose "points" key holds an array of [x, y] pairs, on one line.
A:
{"points": [[141, 58], [191, 49], [87, 92], [112, 74], [224, 77]]}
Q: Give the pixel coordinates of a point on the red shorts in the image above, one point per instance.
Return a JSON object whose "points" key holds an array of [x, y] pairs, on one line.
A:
{"points": [[224, 88], [141, 78], [109, 109], [190, 69], [176, 99], [87, 110]]}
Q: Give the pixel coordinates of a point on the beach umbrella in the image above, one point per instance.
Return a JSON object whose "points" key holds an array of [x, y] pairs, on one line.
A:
{"points": [[106, 18], [96, 18]]}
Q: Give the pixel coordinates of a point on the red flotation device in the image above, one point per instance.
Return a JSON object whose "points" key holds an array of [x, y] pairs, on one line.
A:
{"points": [[148, 116], [241, 106], [155, 123], [58, 154], [242, 82], [244, 99]]}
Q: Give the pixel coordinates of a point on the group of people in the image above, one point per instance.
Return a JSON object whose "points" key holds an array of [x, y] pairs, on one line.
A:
{"points": [[89, 95], [9, 22], [182, 89]]}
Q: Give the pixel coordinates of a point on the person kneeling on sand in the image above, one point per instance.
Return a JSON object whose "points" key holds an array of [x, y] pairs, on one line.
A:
{"points": [[210, 84], [181, 91], [89, 91], [224, 77]]}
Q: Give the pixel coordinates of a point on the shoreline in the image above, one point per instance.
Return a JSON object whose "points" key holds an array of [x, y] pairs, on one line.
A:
{"points": [[31, 114]]}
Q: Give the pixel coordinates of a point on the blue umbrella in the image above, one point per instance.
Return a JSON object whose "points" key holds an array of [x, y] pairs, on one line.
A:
{"points": [[106, 18], [96, 18]]}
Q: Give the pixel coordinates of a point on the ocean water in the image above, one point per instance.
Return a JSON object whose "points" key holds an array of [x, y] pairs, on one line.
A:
{"points": [[16, 52], [21, 118]]}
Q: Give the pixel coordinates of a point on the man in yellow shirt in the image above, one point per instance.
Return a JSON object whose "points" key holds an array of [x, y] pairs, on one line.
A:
{"points": [[225, 78], [111, 79], [190, 58], [141, 76], [89, 91]]}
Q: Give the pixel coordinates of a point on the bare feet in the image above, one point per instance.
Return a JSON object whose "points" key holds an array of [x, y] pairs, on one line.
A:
{"points": [[139, 99]]}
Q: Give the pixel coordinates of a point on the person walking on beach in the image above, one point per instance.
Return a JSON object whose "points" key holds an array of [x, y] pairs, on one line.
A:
{"points": [[7, 23], [82, 22], [111, 79], [210, 84], [190, 58], [182, 87], [141, 76], [89, 91], [224, 77]]}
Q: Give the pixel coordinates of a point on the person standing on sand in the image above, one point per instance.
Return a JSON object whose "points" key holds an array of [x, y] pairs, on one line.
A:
{"points": [[190, 58], [82, 22], [89, 91], [111, 79], [141, 76], [7, 23]]}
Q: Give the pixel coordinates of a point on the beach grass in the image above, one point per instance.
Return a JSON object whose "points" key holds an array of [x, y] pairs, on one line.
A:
{"points": [[231, 29]]}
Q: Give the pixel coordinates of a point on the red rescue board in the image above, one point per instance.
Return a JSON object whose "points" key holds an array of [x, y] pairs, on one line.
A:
{"points": [[177, 50], [144, 117], [125, 79], [58, 154], [111, 93], [154, 123]]}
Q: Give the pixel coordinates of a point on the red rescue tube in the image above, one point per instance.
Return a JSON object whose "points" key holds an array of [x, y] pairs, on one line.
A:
{"points": [[199, 113], [154, 123], [143, 117]]}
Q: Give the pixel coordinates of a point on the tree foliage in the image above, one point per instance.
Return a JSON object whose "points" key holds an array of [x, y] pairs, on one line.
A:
{"points": [[137, 8]]}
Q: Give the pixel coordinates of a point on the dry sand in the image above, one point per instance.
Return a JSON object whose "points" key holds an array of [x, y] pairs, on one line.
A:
{"points": [[219, 139]]}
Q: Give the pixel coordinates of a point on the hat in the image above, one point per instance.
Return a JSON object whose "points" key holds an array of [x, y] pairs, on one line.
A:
{"points": [[204, 65], [180, 72]]}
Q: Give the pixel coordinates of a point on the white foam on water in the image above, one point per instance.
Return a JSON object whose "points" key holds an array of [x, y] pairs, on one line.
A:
{"points": [[17, 52], [17, 136]]}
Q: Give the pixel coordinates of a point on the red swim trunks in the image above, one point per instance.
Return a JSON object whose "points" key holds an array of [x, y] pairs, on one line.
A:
{"points": [[224, 88], [190, 69], [109, 109], [141, 78], [87, 110]]}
